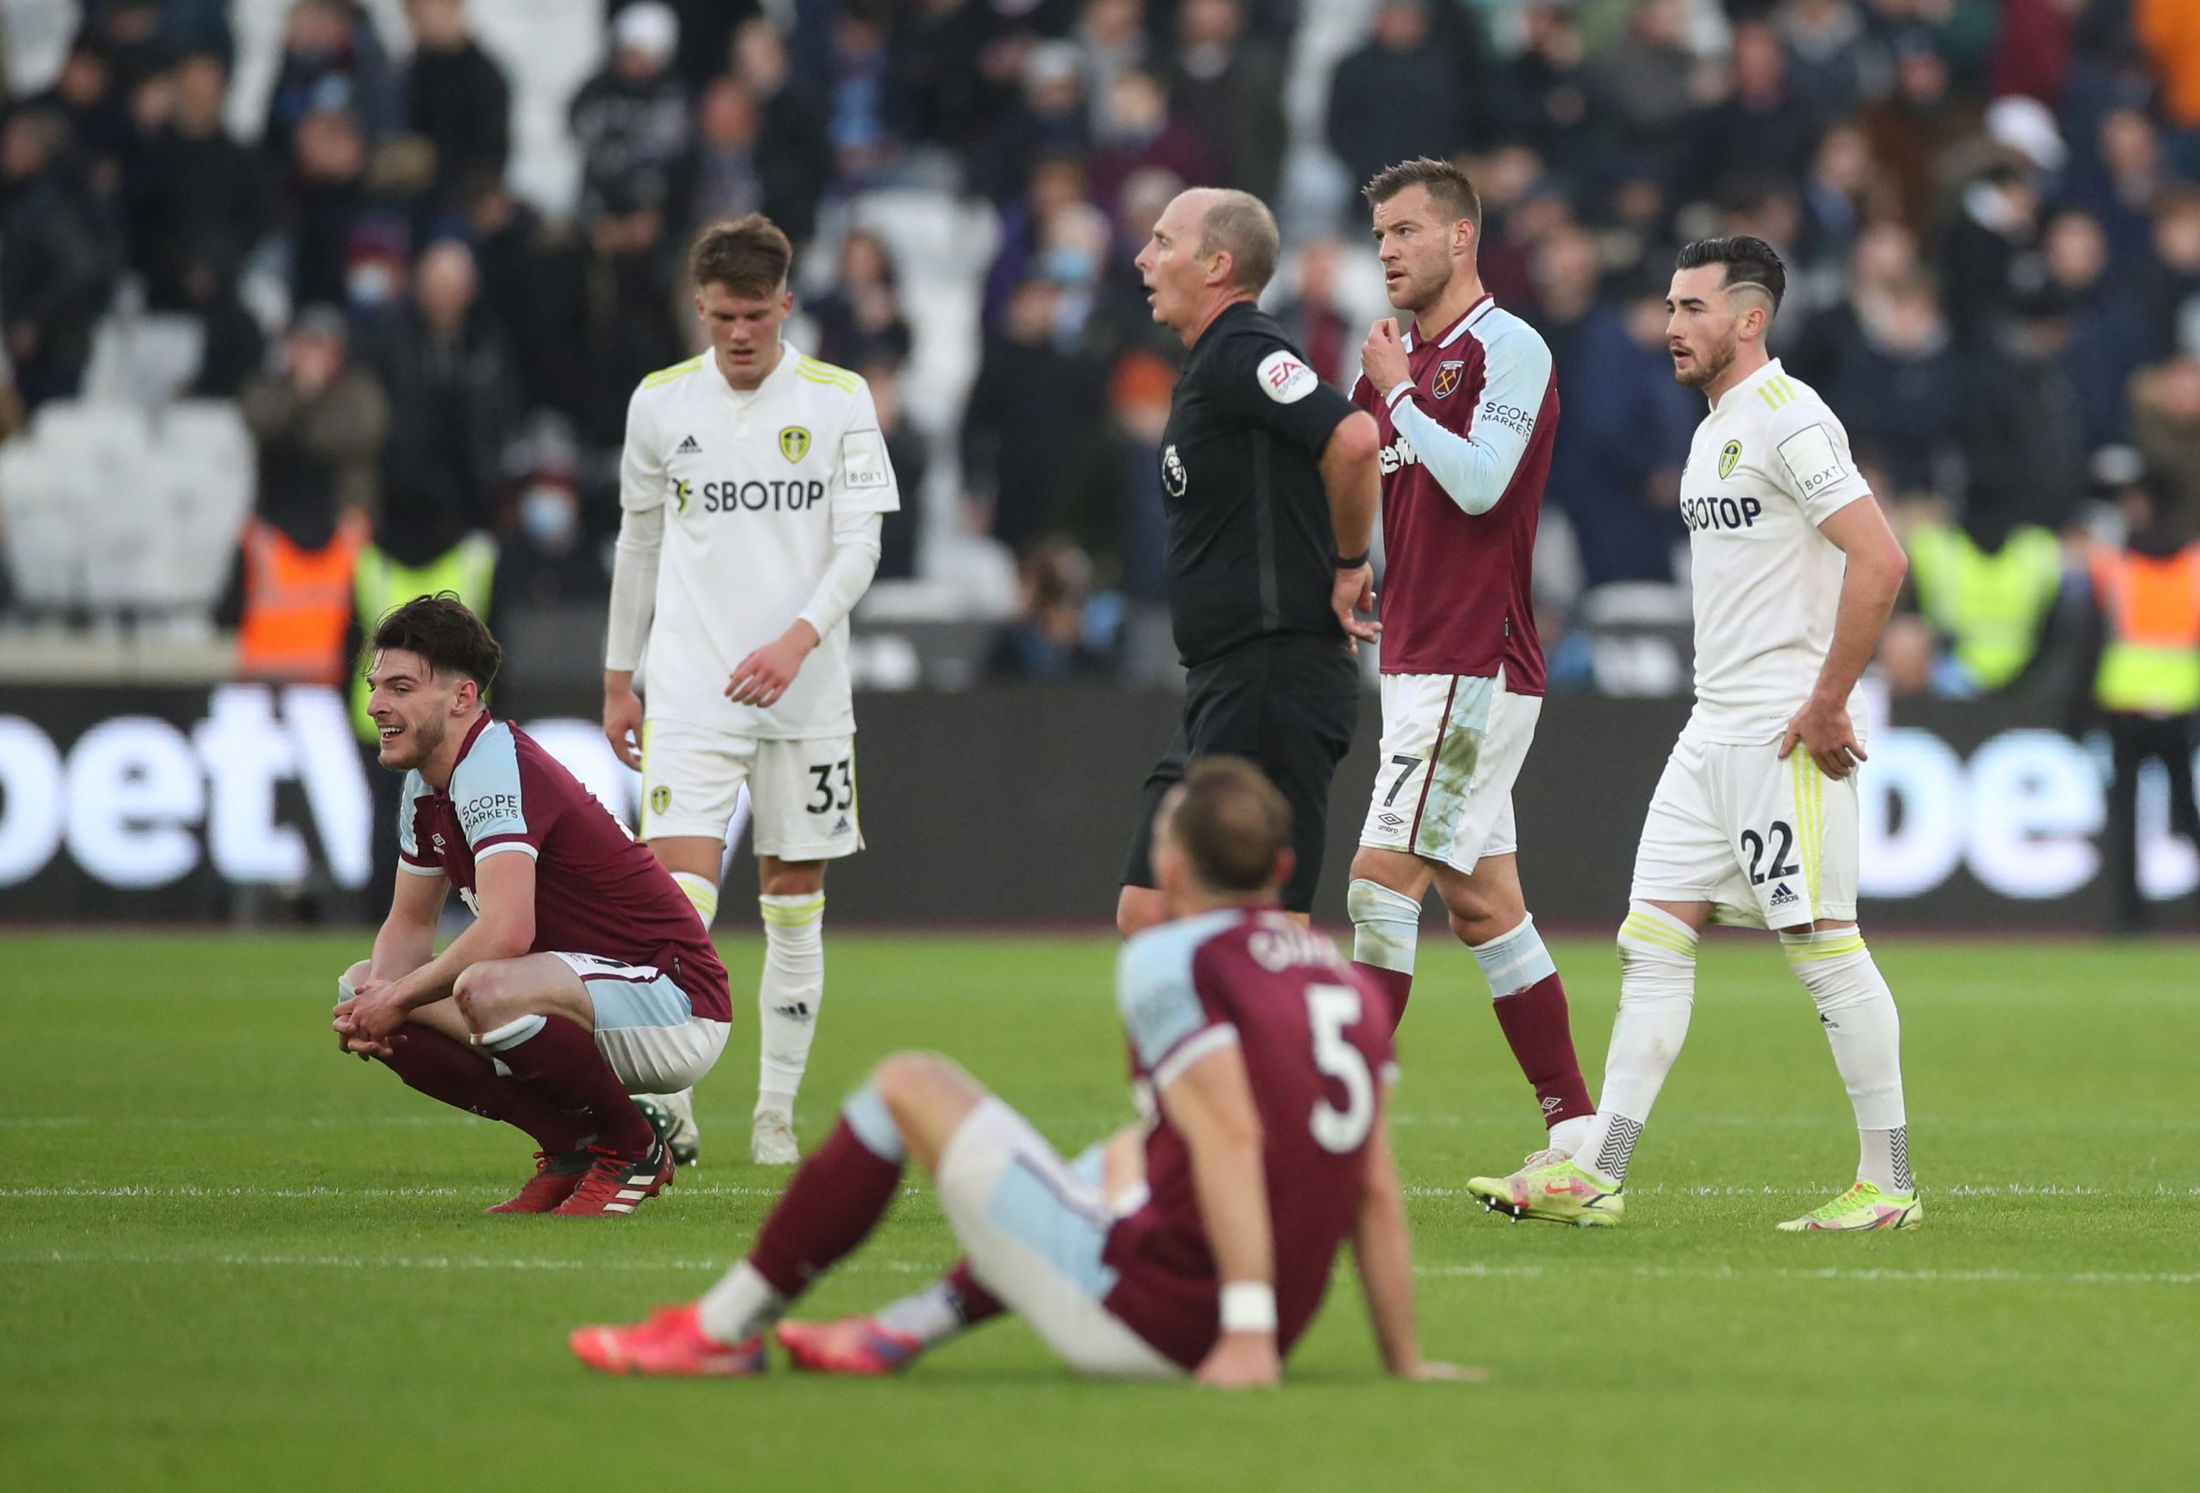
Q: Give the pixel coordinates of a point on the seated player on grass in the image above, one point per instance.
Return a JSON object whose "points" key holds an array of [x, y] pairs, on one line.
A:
{"points": [[586, 975], [1270, 1064]]}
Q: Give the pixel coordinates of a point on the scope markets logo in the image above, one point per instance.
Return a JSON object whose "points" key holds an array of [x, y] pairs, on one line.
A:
{"points": [[140, 802]]}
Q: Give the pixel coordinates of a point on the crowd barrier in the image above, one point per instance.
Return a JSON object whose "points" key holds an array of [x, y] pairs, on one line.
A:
{"points": [[1006, 807]]}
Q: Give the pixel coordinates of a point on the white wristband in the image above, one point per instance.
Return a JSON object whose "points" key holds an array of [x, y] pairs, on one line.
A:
{"points": [[1248, 1306]]}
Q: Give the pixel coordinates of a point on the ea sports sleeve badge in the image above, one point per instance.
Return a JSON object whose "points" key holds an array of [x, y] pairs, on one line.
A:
{"points": [[1285, 378]]}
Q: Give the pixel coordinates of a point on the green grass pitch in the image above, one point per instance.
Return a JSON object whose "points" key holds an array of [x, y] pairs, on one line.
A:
{"points": [[234, 1260]]}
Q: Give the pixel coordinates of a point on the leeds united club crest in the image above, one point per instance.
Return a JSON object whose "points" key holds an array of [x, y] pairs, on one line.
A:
{"points": [[1729, 455], [794, 443]]}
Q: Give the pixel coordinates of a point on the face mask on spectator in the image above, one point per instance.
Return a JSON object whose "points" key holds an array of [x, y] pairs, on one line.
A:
{"points": [[548, 515]]}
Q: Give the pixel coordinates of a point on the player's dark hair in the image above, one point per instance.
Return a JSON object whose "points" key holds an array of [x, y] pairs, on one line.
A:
{"points": [[749, 256], [443, 631], [1242, 224], [1449, 188], [1231, 823], [1748, 261]]}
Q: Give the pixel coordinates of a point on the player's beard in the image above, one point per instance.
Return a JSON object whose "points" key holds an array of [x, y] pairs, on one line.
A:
{"points": [[418, 741], [1422, 291], [1706, 367]]}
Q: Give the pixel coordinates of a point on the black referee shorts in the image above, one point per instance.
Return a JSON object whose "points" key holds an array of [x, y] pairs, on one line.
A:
{"points": [[1289, 705]]}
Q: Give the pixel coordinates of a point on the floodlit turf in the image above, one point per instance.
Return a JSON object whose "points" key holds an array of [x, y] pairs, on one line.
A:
{"points": [[234, 1260]]}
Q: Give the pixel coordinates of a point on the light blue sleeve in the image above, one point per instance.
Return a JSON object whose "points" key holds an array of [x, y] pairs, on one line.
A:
{"points": [[486, 791], [1476, 468], [1154, 989]]}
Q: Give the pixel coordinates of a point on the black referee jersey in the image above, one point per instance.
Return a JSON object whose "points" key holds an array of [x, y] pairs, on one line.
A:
{"points": [[1251, 550]]}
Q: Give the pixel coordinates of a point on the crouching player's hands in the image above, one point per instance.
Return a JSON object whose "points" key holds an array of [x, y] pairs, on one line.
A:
{"points": [[365, 1017]]}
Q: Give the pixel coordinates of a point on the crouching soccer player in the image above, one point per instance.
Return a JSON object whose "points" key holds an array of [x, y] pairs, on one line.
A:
{"points": [[632, 1000], [1270, 1062]]}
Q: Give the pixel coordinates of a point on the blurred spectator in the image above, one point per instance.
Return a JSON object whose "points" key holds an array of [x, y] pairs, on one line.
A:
{"points": [[630, 120], [2023, 439], [1648, 80], [1898, 383], [1029, 411], [456, 96], [1059, 632], [1625, 424], [235, 348], [1110, 37], [626, 323], [1759, 129], [1393, 99], [1825, 55], [2121, 187], [2172, 284], [707, 31], [1835, 202], [1990, 249], [867, 120], [326, 197], [448, 377], [949, 56], [57, 258], [196, 197], [1056, 183], [1135, 132], [2143, 683], [1915, 124], [137, 37], [1229, 92], [792, 145], [1885, 254], [2108, 339], [91, 99], [901, 532], [1546, 95], [859, 318], [2165, 424], [331, 62], [534, 278], [1315, 320], [721, 174], [548, 561], [1985, 593], [1047, 123], [319, 423], [1111, 498]]}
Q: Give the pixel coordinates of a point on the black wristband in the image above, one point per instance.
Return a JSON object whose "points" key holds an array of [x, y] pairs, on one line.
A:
{"points": [[1352, 562]]}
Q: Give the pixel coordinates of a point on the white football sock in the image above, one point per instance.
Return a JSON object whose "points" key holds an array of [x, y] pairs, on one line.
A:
{"points": [[787, 998], [1657, 995], [931, 1316], [702, 894], [1386, 925], [740, 1306], [1865, 1031]]}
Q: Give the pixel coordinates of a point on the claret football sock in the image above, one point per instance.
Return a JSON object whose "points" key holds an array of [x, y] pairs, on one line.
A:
{"points": [[1530, 1003], [1386, 932], [1864, 1029], [832, 1202], [559, 1058], [788, 996], [444, 1068]]}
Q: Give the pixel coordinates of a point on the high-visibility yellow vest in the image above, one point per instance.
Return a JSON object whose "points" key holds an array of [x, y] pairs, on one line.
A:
{"points": [[467, 567], [2150, 663], [296, 604], [1989, 606]]}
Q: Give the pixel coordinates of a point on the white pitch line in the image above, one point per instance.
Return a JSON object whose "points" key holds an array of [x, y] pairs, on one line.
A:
{"points": [[185, 1190], [1570, 1270]]}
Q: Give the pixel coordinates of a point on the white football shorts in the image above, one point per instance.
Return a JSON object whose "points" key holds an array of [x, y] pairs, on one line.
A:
{"points": [[645, 1028], [1770, 844], [1451, 751], [1035, 1231], [802, 794]]}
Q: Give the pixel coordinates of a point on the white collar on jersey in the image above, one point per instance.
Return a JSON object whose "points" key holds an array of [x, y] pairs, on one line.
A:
{"points": [[790, 357], [1467, 318], [1771, 370]]}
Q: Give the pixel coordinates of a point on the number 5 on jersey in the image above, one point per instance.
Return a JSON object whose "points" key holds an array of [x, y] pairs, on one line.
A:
{"points": [[1329, 1010]]}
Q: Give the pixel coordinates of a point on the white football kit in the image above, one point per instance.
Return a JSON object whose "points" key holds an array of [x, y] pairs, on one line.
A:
{"points": [[1770, 844], [765, 506]]}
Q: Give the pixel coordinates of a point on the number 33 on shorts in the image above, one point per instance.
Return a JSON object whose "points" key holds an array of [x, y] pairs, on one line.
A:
{"points": [[802, 793]]}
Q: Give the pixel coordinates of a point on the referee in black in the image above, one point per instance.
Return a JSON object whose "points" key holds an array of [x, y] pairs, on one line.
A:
{"points": [[1271, 486]]}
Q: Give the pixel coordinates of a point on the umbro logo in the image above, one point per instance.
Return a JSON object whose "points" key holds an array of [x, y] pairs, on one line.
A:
{"points": [[1392, 820], [1784, 896], [687, 447]]}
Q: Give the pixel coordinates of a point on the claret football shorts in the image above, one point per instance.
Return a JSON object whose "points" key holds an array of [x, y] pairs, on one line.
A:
{"points": [[1770, 844], [1451, 751], [802, 794]]}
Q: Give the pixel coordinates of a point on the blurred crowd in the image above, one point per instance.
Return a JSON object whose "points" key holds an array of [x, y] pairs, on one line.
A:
{"points": [[1990, 208]]}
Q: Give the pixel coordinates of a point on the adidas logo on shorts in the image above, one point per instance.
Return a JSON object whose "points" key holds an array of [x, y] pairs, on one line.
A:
{"points": [[687, 447], [843, 827], [1784, 896]]}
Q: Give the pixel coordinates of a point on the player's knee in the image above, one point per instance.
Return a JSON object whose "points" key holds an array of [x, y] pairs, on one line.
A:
{"points": [[480, 990], [904, 1076], [1657, 953], [352, 978]]}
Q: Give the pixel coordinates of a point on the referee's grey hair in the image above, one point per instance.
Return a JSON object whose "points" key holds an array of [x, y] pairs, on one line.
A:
{"points": [[1241, 224]]}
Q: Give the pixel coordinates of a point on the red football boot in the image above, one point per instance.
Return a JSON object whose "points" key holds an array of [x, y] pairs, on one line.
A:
{"points": [[853, 1345], [618, 1180], [671, 1343], [553, 1182]]}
